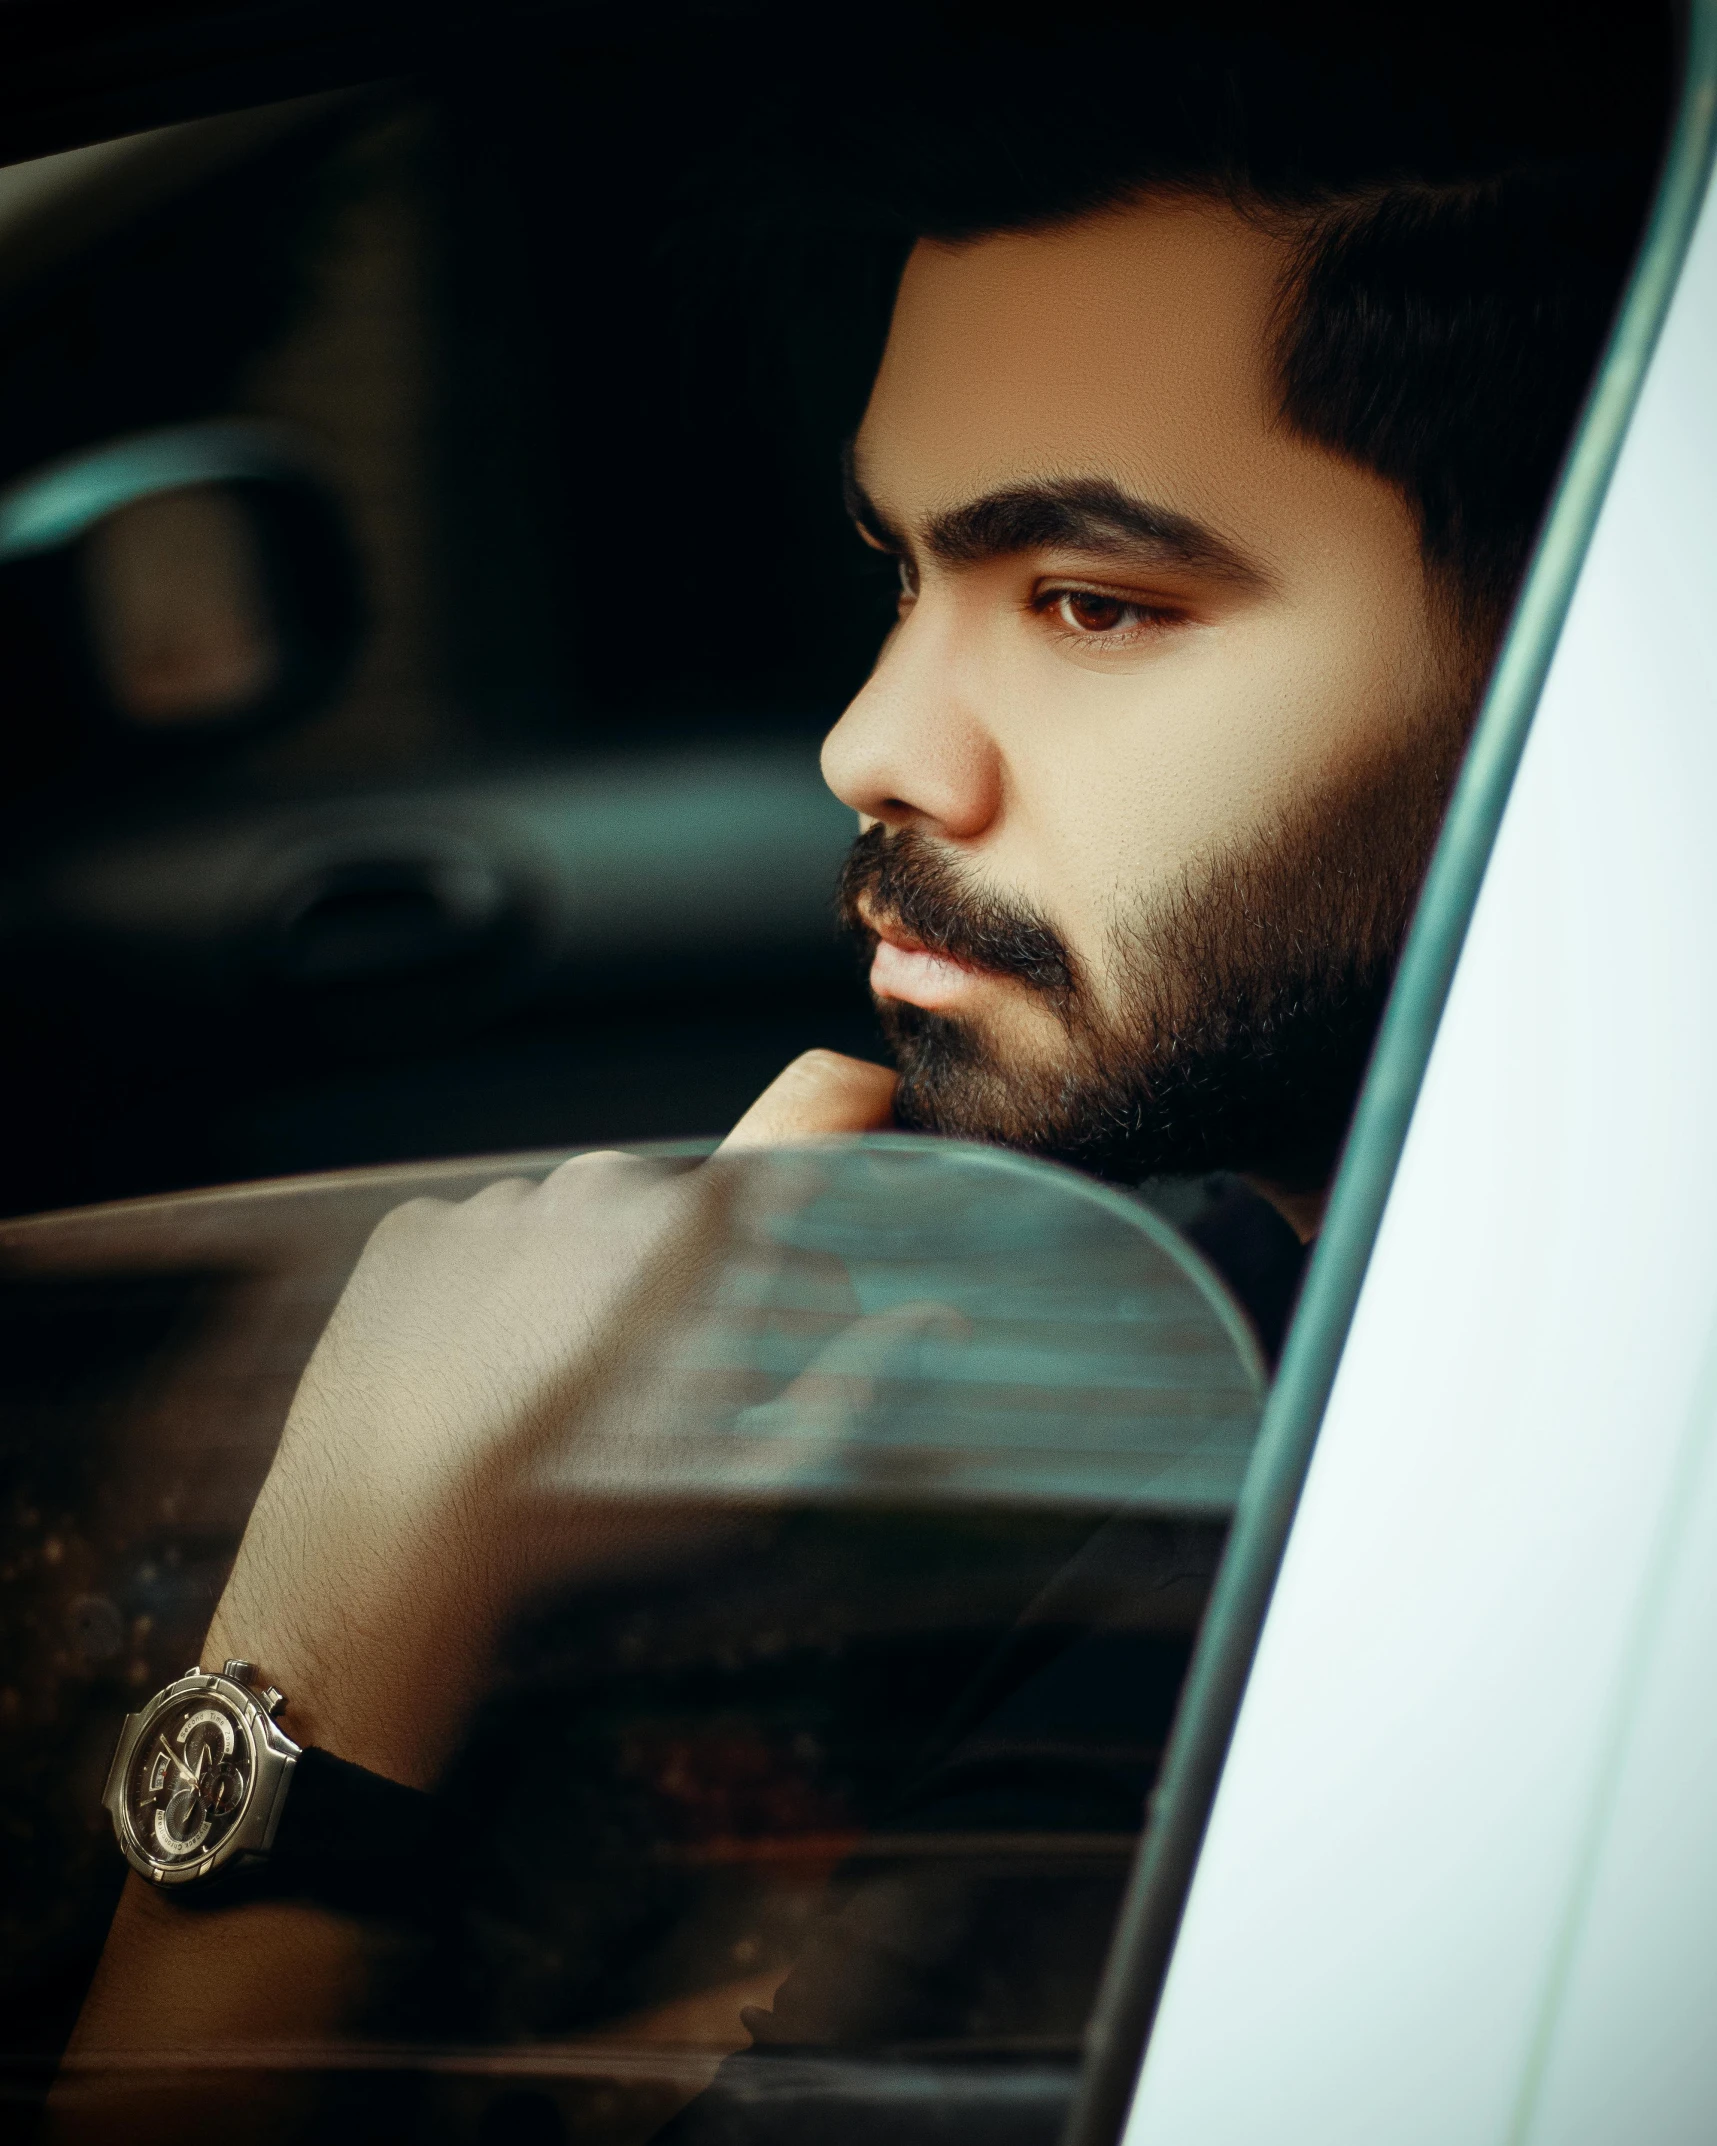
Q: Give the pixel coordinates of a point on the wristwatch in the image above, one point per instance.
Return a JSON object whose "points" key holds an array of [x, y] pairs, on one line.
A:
{"points": [[206, 1785]]}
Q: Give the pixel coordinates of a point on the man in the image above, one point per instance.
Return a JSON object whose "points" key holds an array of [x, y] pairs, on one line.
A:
{"points": [[1209, 465]]}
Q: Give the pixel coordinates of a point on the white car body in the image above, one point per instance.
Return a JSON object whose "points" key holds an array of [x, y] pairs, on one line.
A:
{"points": [[1460, 1877]]}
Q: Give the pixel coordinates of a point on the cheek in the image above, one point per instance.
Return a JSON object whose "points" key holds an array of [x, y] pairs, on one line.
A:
{"points": [[1120, 782]]}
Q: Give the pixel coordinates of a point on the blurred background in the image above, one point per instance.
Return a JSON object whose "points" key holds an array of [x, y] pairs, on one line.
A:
{"points": [[423, 591]]}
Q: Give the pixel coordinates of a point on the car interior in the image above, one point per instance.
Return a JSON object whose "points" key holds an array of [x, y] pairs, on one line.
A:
{"points": [[424, 587], [439, 825]]}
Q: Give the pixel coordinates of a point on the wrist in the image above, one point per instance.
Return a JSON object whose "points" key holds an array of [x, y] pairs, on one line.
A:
{"points": [[390, 1700]]}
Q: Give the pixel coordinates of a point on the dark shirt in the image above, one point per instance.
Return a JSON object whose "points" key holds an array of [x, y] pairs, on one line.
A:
{"points": [[1256, 1253]]}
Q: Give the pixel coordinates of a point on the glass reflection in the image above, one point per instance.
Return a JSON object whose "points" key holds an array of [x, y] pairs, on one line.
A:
{"points": [[819, 1793]]}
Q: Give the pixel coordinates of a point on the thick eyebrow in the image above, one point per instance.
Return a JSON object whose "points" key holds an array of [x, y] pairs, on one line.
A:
{"points": [[1083, 514]]}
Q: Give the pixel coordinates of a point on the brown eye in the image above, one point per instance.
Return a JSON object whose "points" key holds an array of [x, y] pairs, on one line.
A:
{"points": [[1094, 614]]}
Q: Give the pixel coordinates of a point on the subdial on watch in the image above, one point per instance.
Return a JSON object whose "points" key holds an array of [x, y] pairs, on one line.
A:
{"points": [[189, 1780]]}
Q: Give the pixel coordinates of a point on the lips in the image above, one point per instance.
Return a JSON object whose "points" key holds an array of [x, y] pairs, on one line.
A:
{"points": [[939, 938], [903, 968]]}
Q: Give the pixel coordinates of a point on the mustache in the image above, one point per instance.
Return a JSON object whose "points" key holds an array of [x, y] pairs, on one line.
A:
{"points": [[902, 877]]}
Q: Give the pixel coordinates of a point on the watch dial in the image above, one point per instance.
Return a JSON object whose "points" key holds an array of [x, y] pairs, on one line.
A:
{"points": [[190, 1776]]}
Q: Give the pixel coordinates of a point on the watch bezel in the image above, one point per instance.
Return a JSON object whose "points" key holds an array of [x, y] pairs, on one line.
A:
{"points": [[251, 1835]]}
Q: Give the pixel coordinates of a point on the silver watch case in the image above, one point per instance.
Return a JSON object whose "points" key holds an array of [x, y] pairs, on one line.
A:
{"points": [[200, 1776]]}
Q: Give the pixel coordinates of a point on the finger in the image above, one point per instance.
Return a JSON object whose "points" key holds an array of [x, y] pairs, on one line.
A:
{"points": [[822, 1092], [871, 1347], [827, 1404]]}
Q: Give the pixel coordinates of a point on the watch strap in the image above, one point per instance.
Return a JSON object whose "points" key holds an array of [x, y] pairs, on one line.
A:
{"points": [[346, 1838], [349, 1835]]}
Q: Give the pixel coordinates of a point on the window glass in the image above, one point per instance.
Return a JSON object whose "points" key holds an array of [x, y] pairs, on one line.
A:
{"points": [[932, 1448]]}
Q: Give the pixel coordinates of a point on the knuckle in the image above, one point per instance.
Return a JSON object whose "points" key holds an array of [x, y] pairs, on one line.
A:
{"points": [[819, 1065], [598, 1166], [504, 1192], [410, 1216]]}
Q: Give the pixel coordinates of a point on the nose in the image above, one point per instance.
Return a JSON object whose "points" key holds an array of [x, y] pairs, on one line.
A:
{"points": [[913, 749]]}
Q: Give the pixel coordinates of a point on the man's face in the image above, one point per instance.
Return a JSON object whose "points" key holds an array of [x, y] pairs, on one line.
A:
{"points": [[1152, 761]]}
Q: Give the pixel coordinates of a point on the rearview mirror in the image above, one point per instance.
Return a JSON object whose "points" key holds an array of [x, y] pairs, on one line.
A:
{"points": [[180, 585]]}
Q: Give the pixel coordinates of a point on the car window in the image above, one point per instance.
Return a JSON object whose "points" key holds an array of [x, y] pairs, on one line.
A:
{"points": [[935, 1438]]}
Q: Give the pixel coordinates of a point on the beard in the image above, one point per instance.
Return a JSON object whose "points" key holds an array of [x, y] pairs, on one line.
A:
{"points": [[1246, 998]]}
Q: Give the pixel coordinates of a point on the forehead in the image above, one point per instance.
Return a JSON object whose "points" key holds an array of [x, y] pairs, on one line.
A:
{"points": [[1131, 344]]}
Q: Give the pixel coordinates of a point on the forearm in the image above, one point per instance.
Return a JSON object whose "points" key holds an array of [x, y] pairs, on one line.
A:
{"points": [[208, 2013]]}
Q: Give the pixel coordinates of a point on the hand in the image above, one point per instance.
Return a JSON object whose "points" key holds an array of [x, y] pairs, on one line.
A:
{"points": [[401, 1524], [820, 1093]]}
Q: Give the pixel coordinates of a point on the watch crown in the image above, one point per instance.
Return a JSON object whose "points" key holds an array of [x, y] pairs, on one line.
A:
{"points": [[239, 1672], [273, 1700]]}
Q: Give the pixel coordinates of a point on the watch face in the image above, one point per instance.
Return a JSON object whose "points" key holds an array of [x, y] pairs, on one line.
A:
{"points": [[189, 1778]]}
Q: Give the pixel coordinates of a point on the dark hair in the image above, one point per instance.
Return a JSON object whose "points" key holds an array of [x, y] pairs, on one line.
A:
{"points": [[1465, 196], [1445, 338]]}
